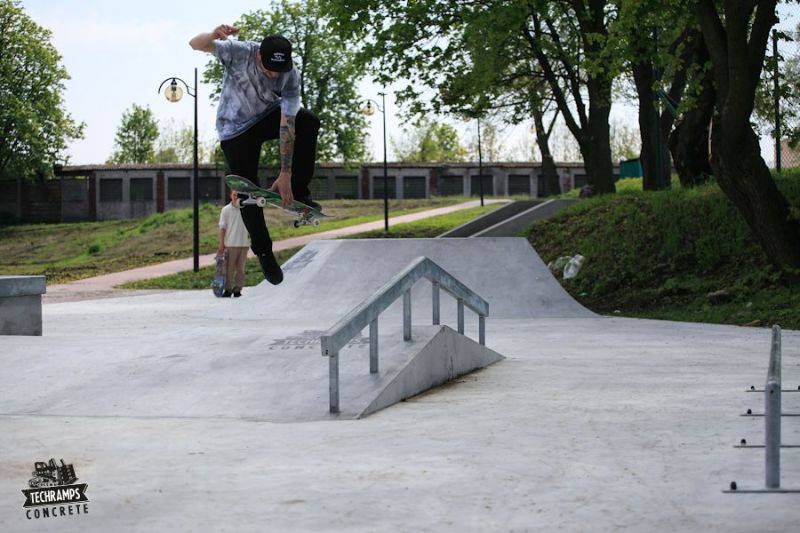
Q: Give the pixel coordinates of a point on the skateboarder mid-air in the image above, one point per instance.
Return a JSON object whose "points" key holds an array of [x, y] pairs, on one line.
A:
{"points": [[260, 101]]}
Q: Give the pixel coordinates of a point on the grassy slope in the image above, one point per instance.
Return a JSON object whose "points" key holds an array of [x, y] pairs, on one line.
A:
{"points": [[430, 227], [66, 252], [658, 255]]}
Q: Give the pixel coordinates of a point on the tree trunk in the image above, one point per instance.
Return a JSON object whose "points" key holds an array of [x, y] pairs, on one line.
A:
{"points": [[596, 146], [643, 78], [737, 47], [747, 182], [688, 142], [549, 171]]}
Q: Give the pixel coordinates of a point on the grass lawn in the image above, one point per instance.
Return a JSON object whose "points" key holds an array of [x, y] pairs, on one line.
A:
{"points": [[663, 255], [430, 227], [67, 252]]}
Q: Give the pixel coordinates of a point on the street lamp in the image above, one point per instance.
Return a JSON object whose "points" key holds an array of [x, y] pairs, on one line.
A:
{"points": [[480, 162], [369, 110], [174, 93]]}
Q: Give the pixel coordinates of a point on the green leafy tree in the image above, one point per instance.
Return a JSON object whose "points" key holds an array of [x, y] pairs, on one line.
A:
{"points": [[34, 125], [451, 47], [175, 144], [429, 141], [657, 45], [328, 76], [736, 34], [136, 137], [788, 67]]}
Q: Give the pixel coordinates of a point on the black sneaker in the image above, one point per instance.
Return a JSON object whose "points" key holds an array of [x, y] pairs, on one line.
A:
{"points": [[270, 267], [226, 294], [311, 203], [237, 294]]}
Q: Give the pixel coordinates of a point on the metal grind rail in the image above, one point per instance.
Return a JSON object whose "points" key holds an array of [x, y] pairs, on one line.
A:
{"points": [[772, 424], [367, 313]]}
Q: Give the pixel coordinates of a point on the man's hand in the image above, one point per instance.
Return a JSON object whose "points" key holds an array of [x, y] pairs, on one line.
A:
{"points": [[204, 42], [223, 31], [283, 186]]}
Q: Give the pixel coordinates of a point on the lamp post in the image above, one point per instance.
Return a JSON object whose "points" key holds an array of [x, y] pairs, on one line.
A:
{"points": [[369, 110], [480, 162], [174, 93]]}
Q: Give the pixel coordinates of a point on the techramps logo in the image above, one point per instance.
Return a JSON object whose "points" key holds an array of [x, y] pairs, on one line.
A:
{"points": [[53, 492]]}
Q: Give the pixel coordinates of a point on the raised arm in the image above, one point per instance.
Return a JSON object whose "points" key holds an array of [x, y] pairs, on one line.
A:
{"points": [[204, 42]]}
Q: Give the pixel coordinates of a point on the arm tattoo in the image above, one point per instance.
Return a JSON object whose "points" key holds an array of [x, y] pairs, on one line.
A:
{"points": [[287, 143]]}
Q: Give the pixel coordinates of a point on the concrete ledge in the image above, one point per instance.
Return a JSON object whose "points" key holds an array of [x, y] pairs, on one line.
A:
{"points": [[21, 304], [512, 226], [490, 219]]}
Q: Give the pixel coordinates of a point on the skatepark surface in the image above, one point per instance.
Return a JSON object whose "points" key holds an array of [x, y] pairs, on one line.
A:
{"points": [[183, 412]]}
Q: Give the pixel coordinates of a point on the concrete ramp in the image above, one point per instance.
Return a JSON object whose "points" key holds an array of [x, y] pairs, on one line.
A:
{"points": [[188, 354], [329, 278], [446, 356]]}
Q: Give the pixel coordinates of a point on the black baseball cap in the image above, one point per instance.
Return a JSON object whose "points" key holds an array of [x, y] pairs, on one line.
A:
{"points": [[276, 53]]}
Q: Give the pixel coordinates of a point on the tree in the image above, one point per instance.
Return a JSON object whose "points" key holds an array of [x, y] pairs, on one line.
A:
{"points": [[689, 140], [328, 76], [136, 137], [175, 144], [429, 141], [736, 34], [657, 43], [34, 125], [469, 47], [788, 95]]}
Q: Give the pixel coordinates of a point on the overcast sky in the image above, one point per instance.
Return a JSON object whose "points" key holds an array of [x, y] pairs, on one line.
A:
{"points": [[117, 54]]}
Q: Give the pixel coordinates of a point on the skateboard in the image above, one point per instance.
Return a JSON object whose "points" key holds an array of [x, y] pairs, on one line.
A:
{"points": [[255, 195], [218, 283]]}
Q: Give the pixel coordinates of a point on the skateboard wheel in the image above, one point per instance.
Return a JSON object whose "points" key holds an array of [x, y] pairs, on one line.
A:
{"points": [[261, 202], [315, 222]]}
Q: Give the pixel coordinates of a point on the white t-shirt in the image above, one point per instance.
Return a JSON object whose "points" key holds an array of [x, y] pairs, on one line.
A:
{"points": [[230, 219]]}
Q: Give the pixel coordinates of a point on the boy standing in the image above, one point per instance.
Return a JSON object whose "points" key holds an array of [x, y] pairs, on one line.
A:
{"points": [[233, 239]]}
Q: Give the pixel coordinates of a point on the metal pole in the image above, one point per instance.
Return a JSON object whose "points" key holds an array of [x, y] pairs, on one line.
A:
{"points": [[776, 88], [482, 330], [196, 203], [436, 307], [461, 316], [407, 315], [333, 382], [373, 347], [480, 162], [772, 414], [385, 171]]}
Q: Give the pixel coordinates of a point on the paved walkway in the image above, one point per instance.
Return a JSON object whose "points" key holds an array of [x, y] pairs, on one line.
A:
{"points": [[104, 286]]}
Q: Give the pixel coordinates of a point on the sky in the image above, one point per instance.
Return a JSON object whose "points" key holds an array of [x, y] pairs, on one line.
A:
{"points": [[118, 53]]}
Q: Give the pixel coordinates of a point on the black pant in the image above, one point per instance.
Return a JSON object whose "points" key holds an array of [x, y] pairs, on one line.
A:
{"points": [[242, 154]]}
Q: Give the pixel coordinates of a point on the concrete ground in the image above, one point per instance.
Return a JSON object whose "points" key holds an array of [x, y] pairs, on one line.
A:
{"points": [[165, 405]]}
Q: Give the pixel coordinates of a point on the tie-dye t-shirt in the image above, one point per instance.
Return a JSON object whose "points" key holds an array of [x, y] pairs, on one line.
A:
{"points": [[247, 93]]}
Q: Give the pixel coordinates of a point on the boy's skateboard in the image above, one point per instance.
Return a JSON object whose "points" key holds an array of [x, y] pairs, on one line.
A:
{"points": [[218, 283], [261, 197]]}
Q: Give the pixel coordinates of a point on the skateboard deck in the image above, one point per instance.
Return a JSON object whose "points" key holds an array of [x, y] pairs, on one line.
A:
{"points": [[218, 283], [304, 214]]}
